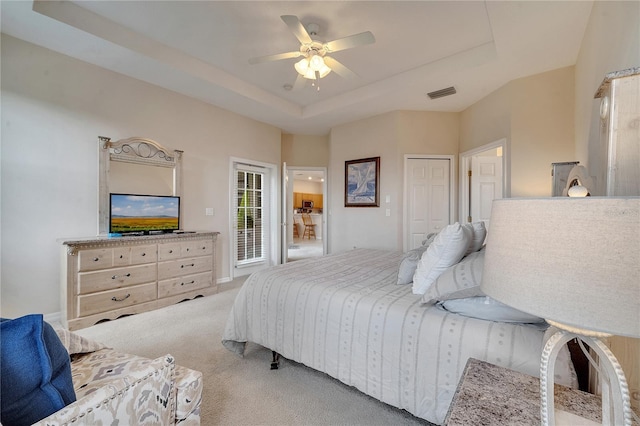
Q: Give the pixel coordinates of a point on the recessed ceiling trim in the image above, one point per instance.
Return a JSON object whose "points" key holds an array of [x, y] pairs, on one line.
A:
{"points": [[89, 22]]}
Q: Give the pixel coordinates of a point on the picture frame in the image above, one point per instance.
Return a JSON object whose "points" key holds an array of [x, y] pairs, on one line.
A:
{"points": [[362, 182]]}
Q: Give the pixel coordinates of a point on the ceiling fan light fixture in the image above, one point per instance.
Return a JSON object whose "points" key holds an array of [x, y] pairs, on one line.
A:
{"points": [[302, 66], [316, 63], [305, 67]]}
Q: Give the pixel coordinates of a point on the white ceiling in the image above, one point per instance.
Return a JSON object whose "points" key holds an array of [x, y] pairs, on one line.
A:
{"points": [[201, 49]]}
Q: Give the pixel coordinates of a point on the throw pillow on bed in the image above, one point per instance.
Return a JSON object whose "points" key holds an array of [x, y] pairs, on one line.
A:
{"points": [[478, 234], [36, 371], [486, 308], [410, 260], [458, 281], [446, 250]]}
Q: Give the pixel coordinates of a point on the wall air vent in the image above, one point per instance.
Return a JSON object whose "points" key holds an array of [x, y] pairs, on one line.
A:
{"points": [[442, 93]]}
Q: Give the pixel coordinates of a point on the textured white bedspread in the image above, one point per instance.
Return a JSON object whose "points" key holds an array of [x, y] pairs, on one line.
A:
{"points": [[344, 314]]}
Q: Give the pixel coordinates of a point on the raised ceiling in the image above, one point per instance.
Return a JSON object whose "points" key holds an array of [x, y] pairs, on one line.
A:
{"points": [[201, 49]]}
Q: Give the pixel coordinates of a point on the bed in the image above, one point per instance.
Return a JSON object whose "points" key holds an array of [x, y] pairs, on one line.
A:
{"points": [[346, 315]]}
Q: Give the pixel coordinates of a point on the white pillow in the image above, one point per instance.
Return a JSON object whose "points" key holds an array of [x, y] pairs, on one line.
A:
{"points": [[489, 309], [478, 234], [409, 263], [446, 250], [458, 281]]}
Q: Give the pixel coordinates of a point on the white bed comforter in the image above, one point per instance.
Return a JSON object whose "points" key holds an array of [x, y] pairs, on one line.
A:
{"points": [[344, 315]]}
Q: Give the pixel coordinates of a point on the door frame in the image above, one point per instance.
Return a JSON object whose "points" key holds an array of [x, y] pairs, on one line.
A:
{"points": [[465, 164], [273, 237], [405, 191]]}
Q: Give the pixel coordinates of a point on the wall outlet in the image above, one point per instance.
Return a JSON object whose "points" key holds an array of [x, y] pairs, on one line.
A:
{"points": [[209, 211], [388, 212]]}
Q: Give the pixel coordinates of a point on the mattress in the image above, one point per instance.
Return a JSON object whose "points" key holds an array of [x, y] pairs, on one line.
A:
{"points": [[343, 314]]}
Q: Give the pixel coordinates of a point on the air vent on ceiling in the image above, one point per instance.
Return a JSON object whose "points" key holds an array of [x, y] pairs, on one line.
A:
{"points": [[442, 93]]}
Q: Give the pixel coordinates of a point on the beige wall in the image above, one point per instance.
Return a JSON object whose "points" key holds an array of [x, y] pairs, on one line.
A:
{"points": [[610, 44], [305, 150], [53, 109], [535, 115], [389, 136]]}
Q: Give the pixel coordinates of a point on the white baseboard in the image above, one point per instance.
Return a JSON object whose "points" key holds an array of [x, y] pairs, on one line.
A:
{"points": [[54, 318]]}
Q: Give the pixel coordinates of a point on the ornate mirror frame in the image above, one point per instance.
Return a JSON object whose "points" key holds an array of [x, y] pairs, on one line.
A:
{"points": [[133, 150]]}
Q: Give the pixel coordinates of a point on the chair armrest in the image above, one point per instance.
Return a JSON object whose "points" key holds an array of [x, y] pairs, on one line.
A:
{"points": [[146, 396]]}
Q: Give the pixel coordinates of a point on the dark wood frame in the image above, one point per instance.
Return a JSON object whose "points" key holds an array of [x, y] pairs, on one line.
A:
{"points": [[349, 201]]}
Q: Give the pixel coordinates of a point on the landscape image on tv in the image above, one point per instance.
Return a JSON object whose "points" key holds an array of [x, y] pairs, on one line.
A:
{"points": [[144, 213]]}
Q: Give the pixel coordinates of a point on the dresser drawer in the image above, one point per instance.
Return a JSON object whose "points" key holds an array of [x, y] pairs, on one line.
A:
{"points": [[90, 260], [91, 282], [169, 251], [187, 266], [144, 254], [197, 248], [183, 284], [113, 299]]}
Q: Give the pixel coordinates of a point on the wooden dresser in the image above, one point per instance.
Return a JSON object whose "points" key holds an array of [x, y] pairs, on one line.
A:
{"points": [[106, 278]]}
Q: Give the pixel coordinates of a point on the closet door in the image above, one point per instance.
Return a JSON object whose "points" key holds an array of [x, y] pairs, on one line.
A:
{"points": [[428, 183]]}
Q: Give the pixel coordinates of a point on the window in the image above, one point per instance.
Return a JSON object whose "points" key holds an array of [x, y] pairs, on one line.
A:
{"points": [[250, 215]]}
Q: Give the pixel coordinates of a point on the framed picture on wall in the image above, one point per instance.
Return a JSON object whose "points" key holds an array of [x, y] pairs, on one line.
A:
{"points": [[362, 182]]}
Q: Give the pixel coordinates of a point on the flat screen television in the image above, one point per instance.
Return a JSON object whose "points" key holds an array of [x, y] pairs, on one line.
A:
{"points": [[143, 214]]}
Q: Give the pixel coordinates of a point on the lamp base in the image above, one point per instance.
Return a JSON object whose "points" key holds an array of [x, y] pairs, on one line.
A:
{"points": [[616, 409]]}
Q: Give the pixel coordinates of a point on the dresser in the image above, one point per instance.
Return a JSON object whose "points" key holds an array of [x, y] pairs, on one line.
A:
{"points": [[107, 278]]}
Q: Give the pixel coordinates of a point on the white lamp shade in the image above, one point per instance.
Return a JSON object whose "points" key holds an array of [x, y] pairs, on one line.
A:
{"points": [[575, 261]]}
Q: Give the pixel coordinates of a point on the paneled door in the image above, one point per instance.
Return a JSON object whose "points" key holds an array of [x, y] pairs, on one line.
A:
{"points": [[428, 203], [486, 186]]}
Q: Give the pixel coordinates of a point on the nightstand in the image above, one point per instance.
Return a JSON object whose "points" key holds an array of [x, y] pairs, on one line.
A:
{"points": [[492, 395]]}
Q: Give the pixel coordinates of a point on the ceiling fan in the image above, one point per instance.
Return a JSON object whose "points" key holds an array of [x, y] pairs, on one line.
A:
{"points": [[316, 63]]}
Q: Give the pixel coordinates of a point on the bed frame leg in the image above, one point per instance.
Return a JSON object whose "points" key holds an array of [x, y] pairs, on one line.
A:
{"points": [[275, 361]]}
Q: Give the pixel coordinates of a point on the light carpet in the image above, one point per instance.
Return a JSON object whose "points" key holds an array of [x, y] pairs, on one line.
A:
{"points": [[242, 391]]}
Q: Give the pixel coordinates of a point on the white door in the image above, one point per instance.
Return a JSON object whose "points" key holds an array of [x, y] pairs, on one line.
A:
{"points": [[486, 186], [428, 197]]}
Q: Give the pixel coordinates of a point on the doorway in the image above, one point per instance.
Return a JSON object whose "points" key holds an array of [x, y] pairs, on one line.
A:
{"points": [[305, 189], [483, 178]]}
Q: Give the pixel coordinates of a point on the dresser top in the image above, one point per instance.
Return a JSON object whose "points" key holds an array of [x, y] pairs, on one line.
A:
{"points": [[105, 241]]}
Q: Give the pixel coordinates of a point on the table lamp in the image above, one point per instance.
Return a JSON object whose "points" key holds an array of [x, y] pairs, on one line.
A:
{"points": [[576, 263]]}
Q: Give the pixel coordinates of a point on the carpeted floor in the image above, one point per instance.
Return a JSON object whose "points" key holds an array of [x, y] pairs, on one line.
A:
{"points": [[242, 391]]}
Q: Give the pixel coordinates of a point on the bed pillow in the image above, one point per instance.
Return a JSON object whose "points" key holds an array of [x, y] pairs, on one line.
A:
{"points": [[458, 281], [478, 234], [486, 308], [446, 250], [410, 260], [35, 371]]}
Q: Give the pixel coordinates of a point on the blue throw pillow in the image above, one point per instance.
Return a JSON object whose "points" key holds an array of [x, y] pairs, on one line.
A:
{"points": [[35, 371]]}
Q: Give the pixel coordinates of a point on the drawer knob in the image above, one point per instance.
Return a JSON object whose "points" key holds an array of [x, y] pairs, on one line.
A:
{"points": [[190, 282], [95, 259], [144, 254], [188, 264], [170, 251], [115, 299], [115, 277], [188, 249]]}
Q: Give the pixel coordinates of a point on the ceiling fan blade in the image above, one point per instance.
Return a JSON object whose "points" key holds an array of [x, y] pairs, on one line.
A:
{"points": [[297, 28], [300, 82], [338, 68], [350, 41], [276, 57]]}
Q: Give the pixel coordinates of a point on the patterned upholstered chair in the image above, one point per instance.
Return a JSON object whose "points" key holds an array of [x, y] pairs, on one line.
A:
{"points": [[117, 388]]}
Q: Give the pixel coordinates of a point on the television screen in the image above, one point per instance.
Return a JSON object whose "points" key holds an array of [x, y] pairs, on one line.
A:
{"points": [[143, 213]]}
